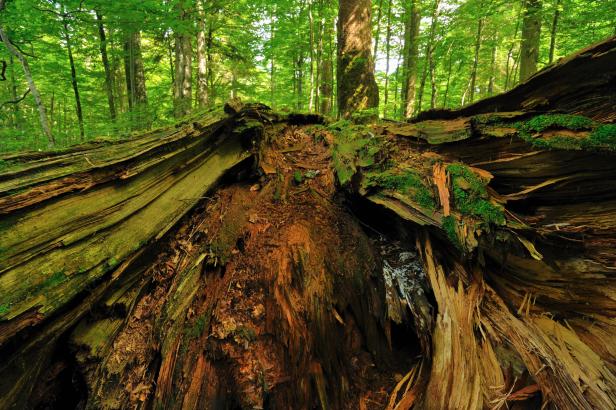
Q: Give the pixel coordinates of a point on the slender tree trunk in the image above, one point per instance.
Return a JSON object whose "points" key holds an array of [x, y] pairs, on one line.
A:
{"points": [[377, 34], [273, 63], [133, 66], [31, 85], [202, 91], [209, 61], [105, 59], [531, 34], [449, 68], [183, 64], [510, 52], [51, 110], [71, 60], [327, 70], [411, 54], [429, 54], [493, 64], [387, 53], [554, 30], [357, 88], [476, 59], [13, 91], [311, 103]]}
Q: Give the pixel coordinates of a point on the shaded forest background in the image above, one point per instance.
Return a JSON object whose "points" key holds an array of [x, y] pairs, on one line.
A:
{"points": [[110, 68]]}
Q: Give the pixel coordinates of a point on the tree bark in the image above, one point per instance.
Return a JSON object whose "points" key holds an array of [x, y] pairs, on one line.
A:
{"points": [[135, 75], [411, 54], [31, 85], [105, 59], [554, 30], [357, 88], [531, 34], [202, 88], [182, 100], [476, 58], [387, 57]]}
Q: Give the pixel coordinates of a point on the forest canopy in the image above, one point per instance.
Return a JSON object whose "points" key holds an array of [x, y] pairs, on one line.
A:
{"points": [[109, 68]]}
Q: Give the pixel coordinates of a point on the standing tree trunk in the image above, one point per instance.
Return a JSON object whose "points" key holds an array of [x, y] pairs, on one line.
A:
{"points": [[273, 63], [31, 85], [202, 91], [182, 96], [387, 53], [357, 89], [411, 53], [108, 75], [429, 55], [377, 33], [135, 76], [71, 61], [493, 65], [508, 72], [531, 34], [13, 90], [476, 59], [554, 30], [327, 71]]}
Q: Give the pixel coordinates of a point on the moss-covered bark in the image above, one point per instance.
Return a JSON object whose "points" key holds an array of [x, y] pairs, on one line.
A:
{"points": [[357, 89]]}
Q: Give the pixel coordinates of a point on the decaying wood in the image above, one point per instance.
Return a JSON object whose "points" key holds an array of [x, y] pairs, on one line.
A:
{"points": [[248, 259]]}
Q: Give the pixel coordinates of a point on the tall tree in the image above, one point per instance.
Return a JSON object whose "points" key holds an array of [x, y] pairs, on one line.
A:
{"points": [[430, 44], [476, 58], [28, 74], [135, 73], [183, 63], [71, 60], [531, 35], [554, 30], [104, 57], [202, 91], [387, 57], [357, 89], [411, 54]]}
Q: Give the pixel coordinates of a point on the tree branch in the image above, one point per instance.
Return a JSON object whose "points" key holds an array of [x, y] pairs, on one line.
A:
{"points": [[17, 101]]}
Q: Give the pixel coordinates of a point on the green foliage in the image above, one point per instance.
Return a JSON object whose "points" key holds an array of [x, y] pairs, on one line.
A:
{"points": [[354, 146], [471, 196], [269, 59]]}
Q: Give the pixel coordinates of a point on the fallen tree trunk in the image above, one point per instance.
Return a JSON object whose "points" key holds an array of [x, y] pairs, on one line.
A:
{"points": [[217, 265]]}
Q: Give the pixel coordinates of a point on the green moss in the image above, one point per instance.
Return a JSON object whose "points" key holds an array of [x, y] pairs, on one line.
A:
{"points": [[449, 226], [55, 279], [113, 262], [601, 137], [246, 333], [408, 182], [298, 177], [471, 196], [354, 146], [604, 136], [4, 309], [197, 329], [570, 122]]}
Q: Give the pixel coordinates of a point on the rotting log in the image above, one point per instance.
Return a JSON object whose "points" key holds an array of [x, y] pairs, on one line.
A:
{"points": [[254, 260]]}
